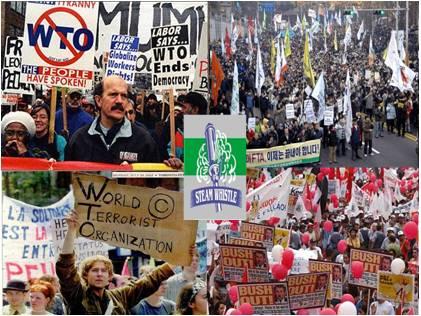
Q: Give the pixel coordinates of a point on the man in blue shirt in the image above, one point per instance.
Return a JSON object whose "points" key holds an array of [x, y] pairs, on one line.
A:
{"points": [[76, 116]]}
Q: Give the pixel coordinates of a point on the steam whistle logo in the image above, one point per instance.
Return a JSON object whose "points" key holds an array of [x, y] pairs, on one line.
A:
{"points": [[216, 167]]}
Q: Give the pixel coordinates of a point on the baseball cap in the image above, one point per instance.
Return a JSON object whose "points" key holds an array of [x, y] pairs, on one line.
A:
{"points": [[74, 90], [19, 117]]}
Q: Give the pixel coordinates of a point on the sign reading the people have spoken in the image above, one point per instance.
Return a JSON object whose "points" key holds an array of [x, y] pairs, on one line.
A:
{"points": [[241, 263], [335, 269], [373, 262], [171, 64], [137, 218], [307, 290], [258, 232], [266, 298]]}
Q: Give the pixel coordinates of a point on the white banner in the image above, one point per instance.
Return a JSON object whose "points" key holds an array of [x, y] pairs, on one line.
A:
{"points": [[290, 113], [329, 114]]}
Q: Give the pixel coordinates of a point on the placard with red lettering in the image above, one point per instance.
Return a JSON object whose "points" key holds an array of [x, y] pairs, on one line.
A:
{"points": [[266, 298], [244, 242], [307, 290], [241, 263], [373, 262], [335, 270], [258, 232], [59, 43]]}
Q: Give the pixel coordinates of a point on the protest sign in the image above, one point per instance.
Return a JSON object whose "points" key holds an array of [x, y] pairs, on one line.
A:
{"points": [[296, 190], [307, 290], [396, 288], [58, 46], [309, 111], [340, 105], [251, 123], [270, 199], [171, 65], [300, 263], [138, 18], [238, 262], [245, 242], [329, 115], [258, 232], [137, 218], [289, 109], [266, 298], [28, 251], [335, 271], [312, 13], [332, 186], [373, 262], [10, 79], [123, 57], [223, 231], [9, 98], [201, 80], [284, 156], [201, 246], [282, 237]]}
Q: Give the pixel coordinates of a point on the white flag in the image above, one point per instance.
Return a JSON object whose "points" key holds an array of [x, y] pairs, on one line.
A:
{"points": [[348, 107], [260, 75], [348, 35], [360, 30], [279, 62], [235, 100], [318, 93]]}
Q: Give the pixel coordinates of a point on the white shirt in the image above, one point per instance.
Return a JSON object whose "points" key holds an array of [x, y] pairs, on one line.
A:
{"points": [[386, 308]]}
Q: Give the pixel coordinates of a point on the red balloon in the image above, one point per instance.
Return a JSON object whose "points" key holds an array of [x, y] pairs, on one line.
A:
{"points": [[246, 309], [320, 177], [334, 197], [415, 217], [410, 183], [380, 183], [403, 189], [342, 246], [276, 220], [235, 221], [410, 230], [218, 222], [287, 258], [233, 294], [335, 204], [347, 298], [234, 227], [373, 178], [315, 208], [357, 269], [305, 238], [302, 312], [279, 271], [328, 226], [327, 311]]}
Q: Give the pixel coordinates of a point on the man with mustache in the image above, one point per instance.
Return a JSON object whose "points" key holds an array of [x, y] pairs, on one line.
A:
{"points": [[112, 138]]}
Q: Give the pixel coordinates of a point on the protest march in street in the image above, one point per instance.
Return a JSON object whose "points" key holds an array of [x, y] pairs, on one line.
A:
{"points": [[342, 84]]}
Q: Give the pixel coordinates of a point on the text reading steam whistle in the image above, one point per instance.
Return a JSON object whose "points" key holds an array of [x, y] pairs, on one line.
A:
{"points": [[214, 171]]}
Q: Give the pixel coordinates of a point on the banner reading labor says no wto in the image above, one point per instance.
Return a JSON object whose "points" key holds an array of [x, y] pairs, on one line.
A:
{"points": [[58, 46]]}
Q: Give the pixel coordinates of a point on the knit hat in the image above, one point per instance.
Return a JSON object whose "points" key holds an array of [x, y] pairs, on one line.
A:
{"points": [[19, 117]]}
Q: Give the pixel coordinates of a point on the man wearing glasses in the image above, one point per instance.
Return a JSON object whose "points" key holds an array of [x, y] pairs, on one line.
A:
{"points": [[76, 116]]}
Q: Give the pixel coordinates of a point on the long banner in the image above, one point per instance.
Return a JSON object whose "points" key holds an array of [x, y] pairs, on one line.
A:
{"points": [[373, 262], [284, 156], [266, 298], [335, 270], [240, 262], [307, 290], [258, 232], [395, 288], [137, 218]]}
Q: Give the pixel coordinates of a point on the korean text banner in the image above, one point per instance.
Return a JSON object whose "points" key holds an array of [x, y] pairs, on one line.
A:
{"points": [[137, 218], [307, 290], [266, 298], [241, 263], [284, 156], [373, 262]]}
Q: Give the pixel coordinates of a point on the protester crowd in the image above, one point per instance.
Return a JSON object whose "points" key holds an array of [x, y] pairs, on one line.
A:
{"points": [[386, 106], [327, 233]]}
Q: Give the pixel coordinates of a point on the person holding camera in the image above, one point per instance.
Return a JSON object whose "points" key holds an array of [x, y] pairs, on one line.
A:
{"points": [[17, 129]]}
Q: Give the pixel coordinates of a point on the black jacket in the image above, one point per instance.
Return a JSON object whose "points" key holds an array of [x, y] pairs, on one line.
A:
{"points": [[132, 144]]}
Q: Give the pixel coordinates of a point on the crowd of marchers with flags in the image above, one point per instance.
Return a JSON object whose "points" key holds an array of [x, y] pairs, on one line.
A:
{"points": [[321, 62], [362, 222]]}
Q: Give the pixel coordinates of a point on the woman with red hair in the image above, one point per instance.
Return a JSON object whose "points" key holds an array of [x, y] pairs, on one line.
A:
{"points": [[41, 294]]}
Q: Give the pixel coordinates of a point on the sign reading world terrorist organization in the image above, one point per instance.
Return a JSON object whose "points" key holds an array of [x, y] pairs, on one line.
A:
{"points": [[284, 156], [123, 57], [215, 168]]}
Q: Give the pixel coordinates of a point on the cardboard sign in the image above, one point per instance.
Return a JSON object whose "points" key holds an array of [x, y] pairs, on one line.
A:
{"points": [[58, 46], [296, 189], [245, 242], [10, 79], [396, 288], [123, 57], [329, 115], [373, 262], [240, 261], [336, 276], [171, 65], [282, 236], [258, 232], [266, 298], [307, 290], [285, 156], [136, 218], [290, 112]]}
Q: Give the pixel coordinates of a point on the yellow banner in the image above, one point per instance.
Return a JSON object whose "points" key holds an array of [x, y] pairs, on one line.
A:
{"points": [[137, 218], [395, 288], [284, 156], [281, 237]]}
